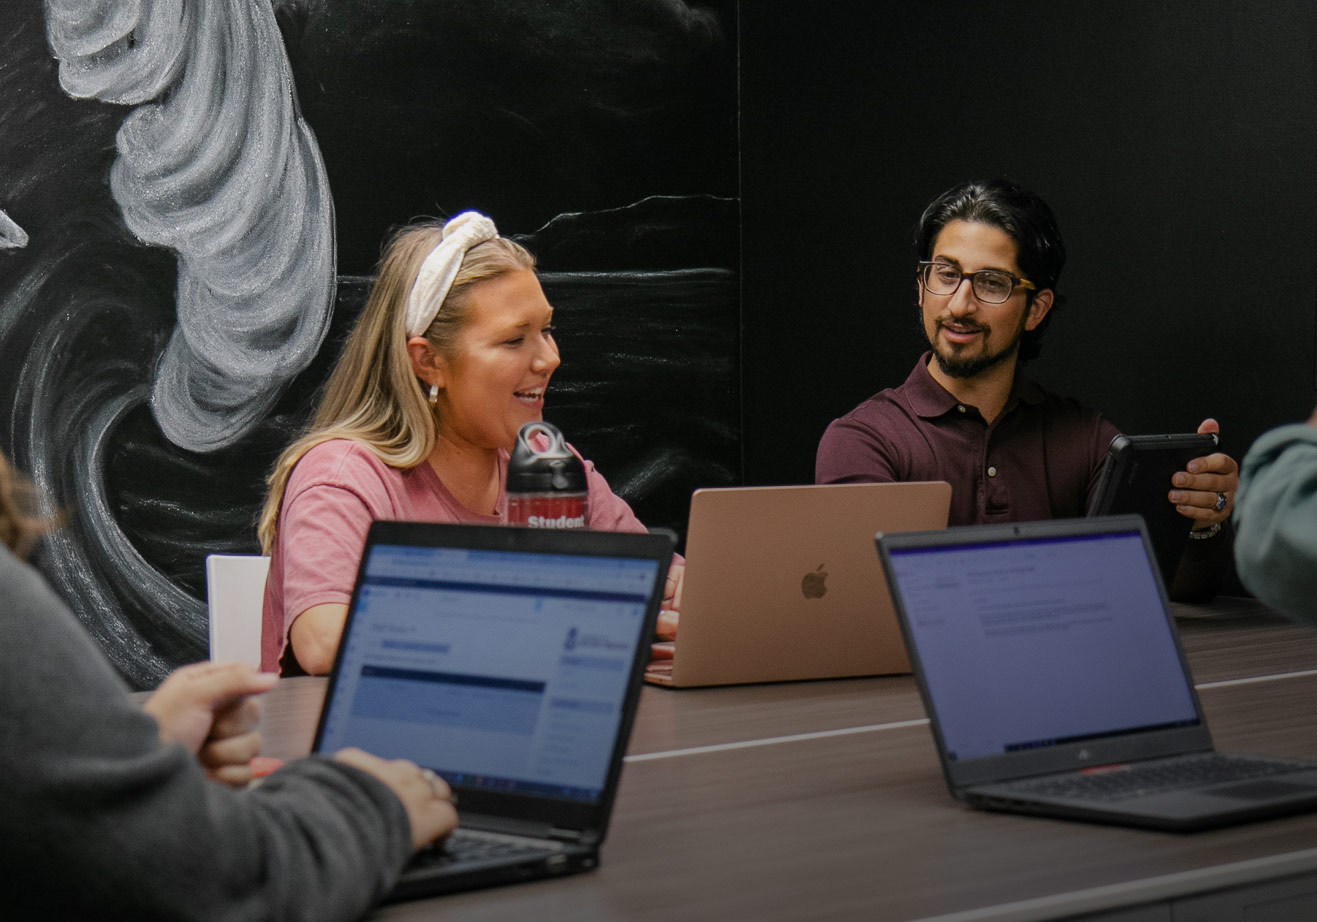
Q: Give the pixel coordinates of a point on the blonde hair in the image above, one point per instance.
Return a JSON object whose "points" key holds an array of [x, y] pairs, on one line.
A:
{"points": [[373, 396], [20, 525]]}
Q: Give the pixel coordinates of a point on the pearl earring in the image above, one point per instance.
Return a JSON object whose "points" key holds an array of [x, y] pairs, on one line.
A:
{"points": [[434, 394]]}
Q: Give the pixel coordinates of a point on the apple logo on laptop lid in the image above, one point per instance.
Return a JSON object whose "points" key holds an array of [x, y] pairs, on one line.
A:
{"points": [[814, 584]]}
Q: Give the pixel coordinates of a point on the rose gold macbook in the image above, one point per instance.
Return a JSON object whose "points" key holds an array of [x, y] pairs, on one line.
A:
{"points": [[781, 582]]}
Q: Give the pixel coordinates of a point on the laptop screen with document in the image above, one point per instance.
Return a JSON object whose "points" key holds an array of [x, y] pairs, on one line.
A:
{"points": [[506, 672], [1031, 644]]}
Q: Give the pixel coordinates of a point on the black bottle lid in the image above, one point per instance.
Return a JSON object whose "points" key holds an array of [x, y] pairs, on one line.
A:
{"points": [[552, 469]]}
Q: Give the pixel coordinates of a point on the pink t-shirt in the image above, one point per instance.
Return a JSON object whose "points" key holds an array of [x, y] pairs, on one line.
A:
{"points": [[336, 490]]}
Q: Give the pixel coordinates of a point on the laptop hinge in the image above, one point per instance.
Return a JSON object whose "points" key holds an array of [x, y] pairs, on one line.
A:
{"points": [[508, 826]]}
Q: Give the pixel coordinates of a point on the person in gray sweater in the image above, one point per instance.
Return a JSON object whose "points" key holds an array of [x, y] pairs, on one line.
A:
{"points": [[1276, 520], [107, 810]]}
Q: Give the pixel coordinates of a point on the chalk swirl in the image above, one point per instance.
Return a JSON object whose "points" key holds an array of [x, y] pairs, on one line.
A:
{"points": [[216, 164]]}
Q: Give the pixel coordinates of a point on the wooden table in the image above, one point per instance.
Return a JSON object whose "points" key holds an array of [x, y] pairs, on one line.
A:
{"points": [[824, 800]]}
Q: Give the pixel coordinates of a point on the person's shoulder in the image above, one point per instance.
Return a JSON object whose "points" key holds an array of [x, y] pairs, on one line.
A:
{"points": [[13, 570], [918, 395], [875, 412], [1282, 437], [880, 427], [340, 462], [31, 601], [1296, 443]]}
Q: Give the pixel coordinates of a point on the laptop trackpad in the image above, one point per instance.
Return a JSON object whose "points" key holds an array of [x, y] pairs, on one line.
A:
{"points": [[1263, 789]]}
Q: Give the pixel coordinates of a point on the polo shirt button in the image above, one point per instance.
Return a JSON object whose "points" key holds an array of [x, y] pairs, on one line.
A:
{"points": [[992, 472], [960, 407]]}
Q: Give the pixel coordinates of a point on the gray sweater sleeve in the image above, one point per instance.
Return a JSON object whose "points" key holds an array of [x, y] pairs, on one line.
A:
{"points": [[1276, 520], [98, 820]]}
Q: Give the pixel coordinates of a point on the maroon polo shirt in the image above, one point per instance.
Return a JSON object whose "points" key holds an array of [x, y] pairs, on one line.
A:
{"points": [[1040, 459]]}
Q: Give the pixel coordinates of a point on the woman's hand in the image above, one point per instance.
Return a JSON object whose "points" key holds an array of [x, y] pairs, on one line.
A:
{"points": [[672, 593], [669, 614], [666, 628], [425, 796]]}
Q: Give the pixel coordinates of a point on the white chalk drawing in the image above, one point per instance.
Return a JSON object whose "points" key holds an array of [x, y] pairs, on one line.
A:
{"points": [[12, 237], [215, 163]]}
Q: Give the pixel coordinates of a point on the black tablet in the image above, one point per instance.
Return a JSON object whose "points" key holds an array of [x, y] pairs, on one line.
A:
{"points": [[1136, 477]]}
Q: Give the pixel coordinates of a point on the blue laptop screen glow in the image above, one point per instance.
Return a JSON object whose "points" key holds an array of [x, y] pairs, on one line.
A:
{"points": [[1027, 644], [504, 671]]}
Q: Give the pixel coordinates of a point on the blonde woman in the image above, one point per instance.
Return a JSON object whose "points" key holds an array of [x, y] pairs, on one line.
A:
{"points": [[109, 812], [452, 355]]}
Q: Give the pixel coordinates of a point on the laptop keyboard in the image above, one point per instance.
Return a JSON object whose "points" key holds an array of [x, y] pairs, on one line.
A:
{"points": [[1156, 777], [467, 846]]}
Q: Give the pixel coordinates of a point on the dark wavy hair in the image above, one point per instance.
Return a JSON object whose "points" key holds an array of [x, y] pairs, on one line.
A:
{"points": [[1024, 217]]}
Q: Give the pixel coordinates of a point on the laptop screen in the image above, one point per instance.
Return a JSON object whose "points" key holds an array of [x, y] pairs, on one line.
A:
{"points": [[502, 671], [1027, 644]]}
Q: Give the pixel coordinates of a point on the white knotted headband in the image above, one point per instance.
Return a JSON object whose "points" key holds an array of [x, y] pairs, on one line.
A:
{"points": [[440, 268]]}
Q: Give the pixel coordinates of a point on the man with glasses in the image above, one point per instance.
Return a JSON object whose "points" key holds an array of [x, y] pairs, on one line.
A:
{"points": [[990, 256]]}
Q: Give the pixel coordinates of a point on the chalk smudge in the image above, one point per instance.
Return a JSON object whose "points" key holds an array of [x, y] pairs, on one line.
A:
{"points": [[12, 237]]}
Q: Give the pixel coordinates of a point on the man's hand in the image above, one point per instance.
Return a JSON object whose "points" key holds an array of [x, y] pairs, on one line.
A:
{"points": [[1201, 486], [424, 795], [209, 708]]}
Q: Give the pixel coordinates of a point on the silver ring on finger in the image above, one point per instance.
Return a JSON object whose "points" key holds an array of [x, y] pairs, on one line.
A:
{"points": [[1221, 502]]}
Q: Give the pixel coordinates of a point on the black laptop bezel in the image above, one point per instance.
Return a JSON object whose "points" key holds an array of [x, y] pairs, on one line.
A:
{"points": [[1063, 757], [587, 820]]}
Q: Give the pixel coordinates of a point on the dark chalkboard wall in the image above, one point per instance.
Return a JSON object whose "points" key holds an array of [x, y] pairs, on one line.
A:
{"points": [[188, 205], [1175, 140]]}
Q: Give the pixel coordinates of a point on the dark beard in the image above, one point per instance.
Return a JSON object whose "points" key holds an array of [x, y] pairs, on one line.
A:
{"points": [[968, 368]]}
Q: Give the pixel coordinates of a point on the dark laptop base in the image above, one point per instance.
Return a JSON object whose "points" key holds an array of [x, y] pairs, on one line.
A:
{"points": [[416, 883], [1174, 811]]}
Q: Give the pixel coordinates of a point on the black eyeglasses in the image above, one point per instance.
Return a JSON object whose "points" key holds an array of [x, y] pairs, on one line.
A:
{"points": [[991, 286]]}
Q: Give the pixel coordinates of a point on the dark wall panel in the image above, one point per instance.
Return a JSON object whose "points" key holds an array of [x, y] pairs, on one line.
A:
{"points": [[1175, 140]]}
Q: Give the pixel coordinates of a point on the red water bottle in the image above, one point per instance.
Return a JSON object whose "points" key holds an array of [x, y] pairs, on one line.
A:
{"points": [[546, 485]]}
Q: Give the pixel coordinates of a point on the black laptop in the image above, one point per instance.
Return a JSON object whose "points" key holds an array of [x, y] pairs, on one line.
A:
{"points": [[1055, 684], [510, 662]]}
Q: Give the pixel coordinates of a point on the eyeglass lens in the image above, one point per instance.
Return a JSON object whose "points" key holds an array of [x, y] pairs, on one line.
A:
{"points": [[989, 285]]}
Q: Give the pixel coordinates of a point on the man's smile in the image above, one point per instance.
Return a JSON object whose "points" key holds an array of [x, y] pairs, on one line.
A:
{"points": [[960, 333]]}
